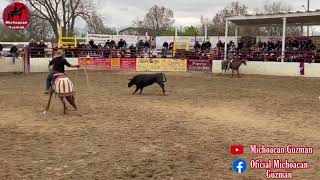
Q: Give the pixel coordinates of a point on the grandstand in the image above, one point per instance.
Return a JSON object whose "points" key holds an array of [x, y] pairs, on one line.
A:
{"points": [[297, 18]]}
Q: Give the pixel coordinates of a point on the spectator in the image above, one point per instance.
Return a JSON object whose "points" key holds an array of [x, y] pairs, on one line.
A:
{"points": [[113, 44], [124, 44], [208, 45], [42, 46], [107, 45], [121, 44], [1, 47], [171, 46], [165, 45], [197, 46], [220, 45], [140, 44], [147, 44], [92, 45], [153, 43], [204, 46], [132, 50], [33, 48], [14, 53]]}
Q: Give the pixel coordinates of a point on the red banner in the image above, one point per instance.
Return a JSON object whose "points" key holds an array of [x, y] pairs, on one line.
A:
{"points": [[103, 63], [199, 65], [95, 63], [128, 64]]}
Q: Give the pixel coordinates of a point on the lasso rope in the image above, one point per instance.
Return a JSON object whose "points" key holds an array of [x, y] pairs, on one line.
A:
{"points": [[90, 89]]}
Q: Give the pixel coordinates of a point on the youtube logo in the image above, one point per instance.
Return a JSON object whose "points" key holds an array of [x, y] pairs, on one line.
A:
{"points": [[237, 149]]}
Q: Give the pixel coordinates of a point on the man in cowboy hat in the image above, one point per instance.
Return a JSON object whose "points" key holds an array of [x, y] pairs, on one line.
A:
{"points": [[56, 65]]}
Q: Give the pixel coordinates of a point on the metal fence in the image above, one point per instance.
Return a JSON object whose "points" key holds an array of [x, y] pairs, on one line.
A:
{"points": [[213, 54]]}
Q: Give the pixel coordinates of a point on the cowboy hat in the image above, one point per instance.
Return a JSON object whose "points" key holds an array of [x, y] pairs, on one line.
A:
{"points": [[58, 53]]}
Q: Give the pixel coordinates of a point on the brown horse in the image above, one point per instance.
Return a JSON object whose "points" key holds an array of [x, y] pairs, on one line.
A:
{"points": [[63, 87], [234, 65]]}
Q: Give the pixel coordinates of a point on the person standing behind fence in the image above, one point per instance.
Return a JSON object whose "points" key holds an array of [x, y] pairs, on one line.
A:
{"points": [[165, 45], [1, 47], [42, 46], [146, 45], [14, 53]]}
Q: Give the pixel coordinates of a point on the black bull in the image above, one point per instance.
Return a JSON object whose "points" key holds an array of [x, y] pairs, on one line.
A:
{"points": [[144, 80]]}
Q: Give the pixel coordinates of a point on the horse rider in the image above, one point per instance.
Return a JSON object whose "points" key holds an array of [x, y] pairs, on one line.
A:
{"points": [[56, 65]]}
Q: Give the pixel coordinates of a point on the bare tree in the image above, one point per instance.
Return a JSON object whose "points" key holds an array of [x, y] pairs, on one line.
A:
{"points": [[158, 19], [62, 13], [39, 29], [205, 22], [95, 25], [218, 23], [275, 7]]}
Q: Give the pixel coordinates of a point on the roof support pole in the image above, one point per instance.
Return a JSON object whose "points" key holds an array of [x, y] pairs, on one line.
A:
{"points": [[284, 30], [206, 32], [236, 35], [226, 41], [308, 10]]}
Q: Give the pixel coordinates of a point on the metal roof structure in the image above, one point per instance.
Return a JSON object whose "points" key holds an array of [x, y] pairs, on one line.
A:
{"points": [[308, 18], [298, 17]]}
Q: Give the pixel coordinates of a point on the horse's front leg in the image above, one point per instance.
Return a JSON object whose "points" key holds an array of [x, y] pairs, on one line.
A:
{"points": [[49, 102], [64, 105], [238, 73]]}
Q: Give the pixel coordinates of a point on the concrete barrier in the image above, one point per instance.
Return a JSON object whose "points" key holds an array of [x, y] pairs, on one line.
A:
{"points": [[6, 65], [270, 68], [261, 68], [41, 64], [312, 70]]}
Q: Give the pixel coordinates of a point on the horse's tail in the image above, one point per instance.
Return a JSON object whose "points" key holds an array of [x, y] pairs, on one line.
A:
{"points": [[164, 78]]}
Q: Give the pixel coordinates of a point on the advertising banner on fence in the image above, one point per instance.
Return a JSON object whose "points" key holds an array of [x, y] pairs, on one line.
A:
{"points": [[103, 63], [95, 63], [128, 64], [115, 64], [146, 64], [158, 64], [200, 65], [174, 65]]}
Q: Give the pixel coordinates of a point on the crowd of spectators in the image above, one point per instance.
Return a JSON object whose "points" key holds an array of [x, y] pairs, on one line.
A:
{"points": [[291, 45], [111, 48], [37, 49], [247, 46]]}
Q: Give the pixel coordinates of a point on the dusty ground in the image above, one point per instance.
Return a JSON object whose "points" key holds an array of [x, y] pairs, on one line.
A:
{"points": [[185, 135]]}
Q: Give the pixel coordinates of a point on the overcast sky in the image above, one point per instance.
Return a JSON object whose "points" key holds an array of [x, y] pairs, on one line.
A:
{"points": [[121, 13]]}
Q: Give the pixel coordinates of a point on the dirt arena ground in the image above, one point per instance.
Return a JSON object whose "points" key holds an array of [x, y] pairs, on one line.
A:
{"points": [[184, 135]]}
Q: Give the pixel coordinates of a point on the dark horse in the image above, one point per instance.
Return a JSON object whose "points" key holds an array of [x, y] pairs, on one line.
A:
{"points": [[234, 65], [15, 12], [225, 65], [64, 88]]}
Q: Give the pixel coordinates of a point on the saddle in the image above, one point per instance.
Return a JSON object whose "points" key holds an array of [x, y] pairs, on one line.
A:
{"points": [[62, 85]]}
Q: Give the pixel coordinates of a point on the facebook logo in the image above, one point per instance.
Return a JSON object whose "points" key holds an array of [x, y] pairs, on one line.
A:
{"points": [[239, 166]]}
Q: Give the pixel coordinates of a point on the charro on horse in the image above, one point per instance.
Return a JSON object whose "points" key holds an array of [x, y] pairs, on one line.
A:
{"points": [[235, 64], [59, 83]]}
